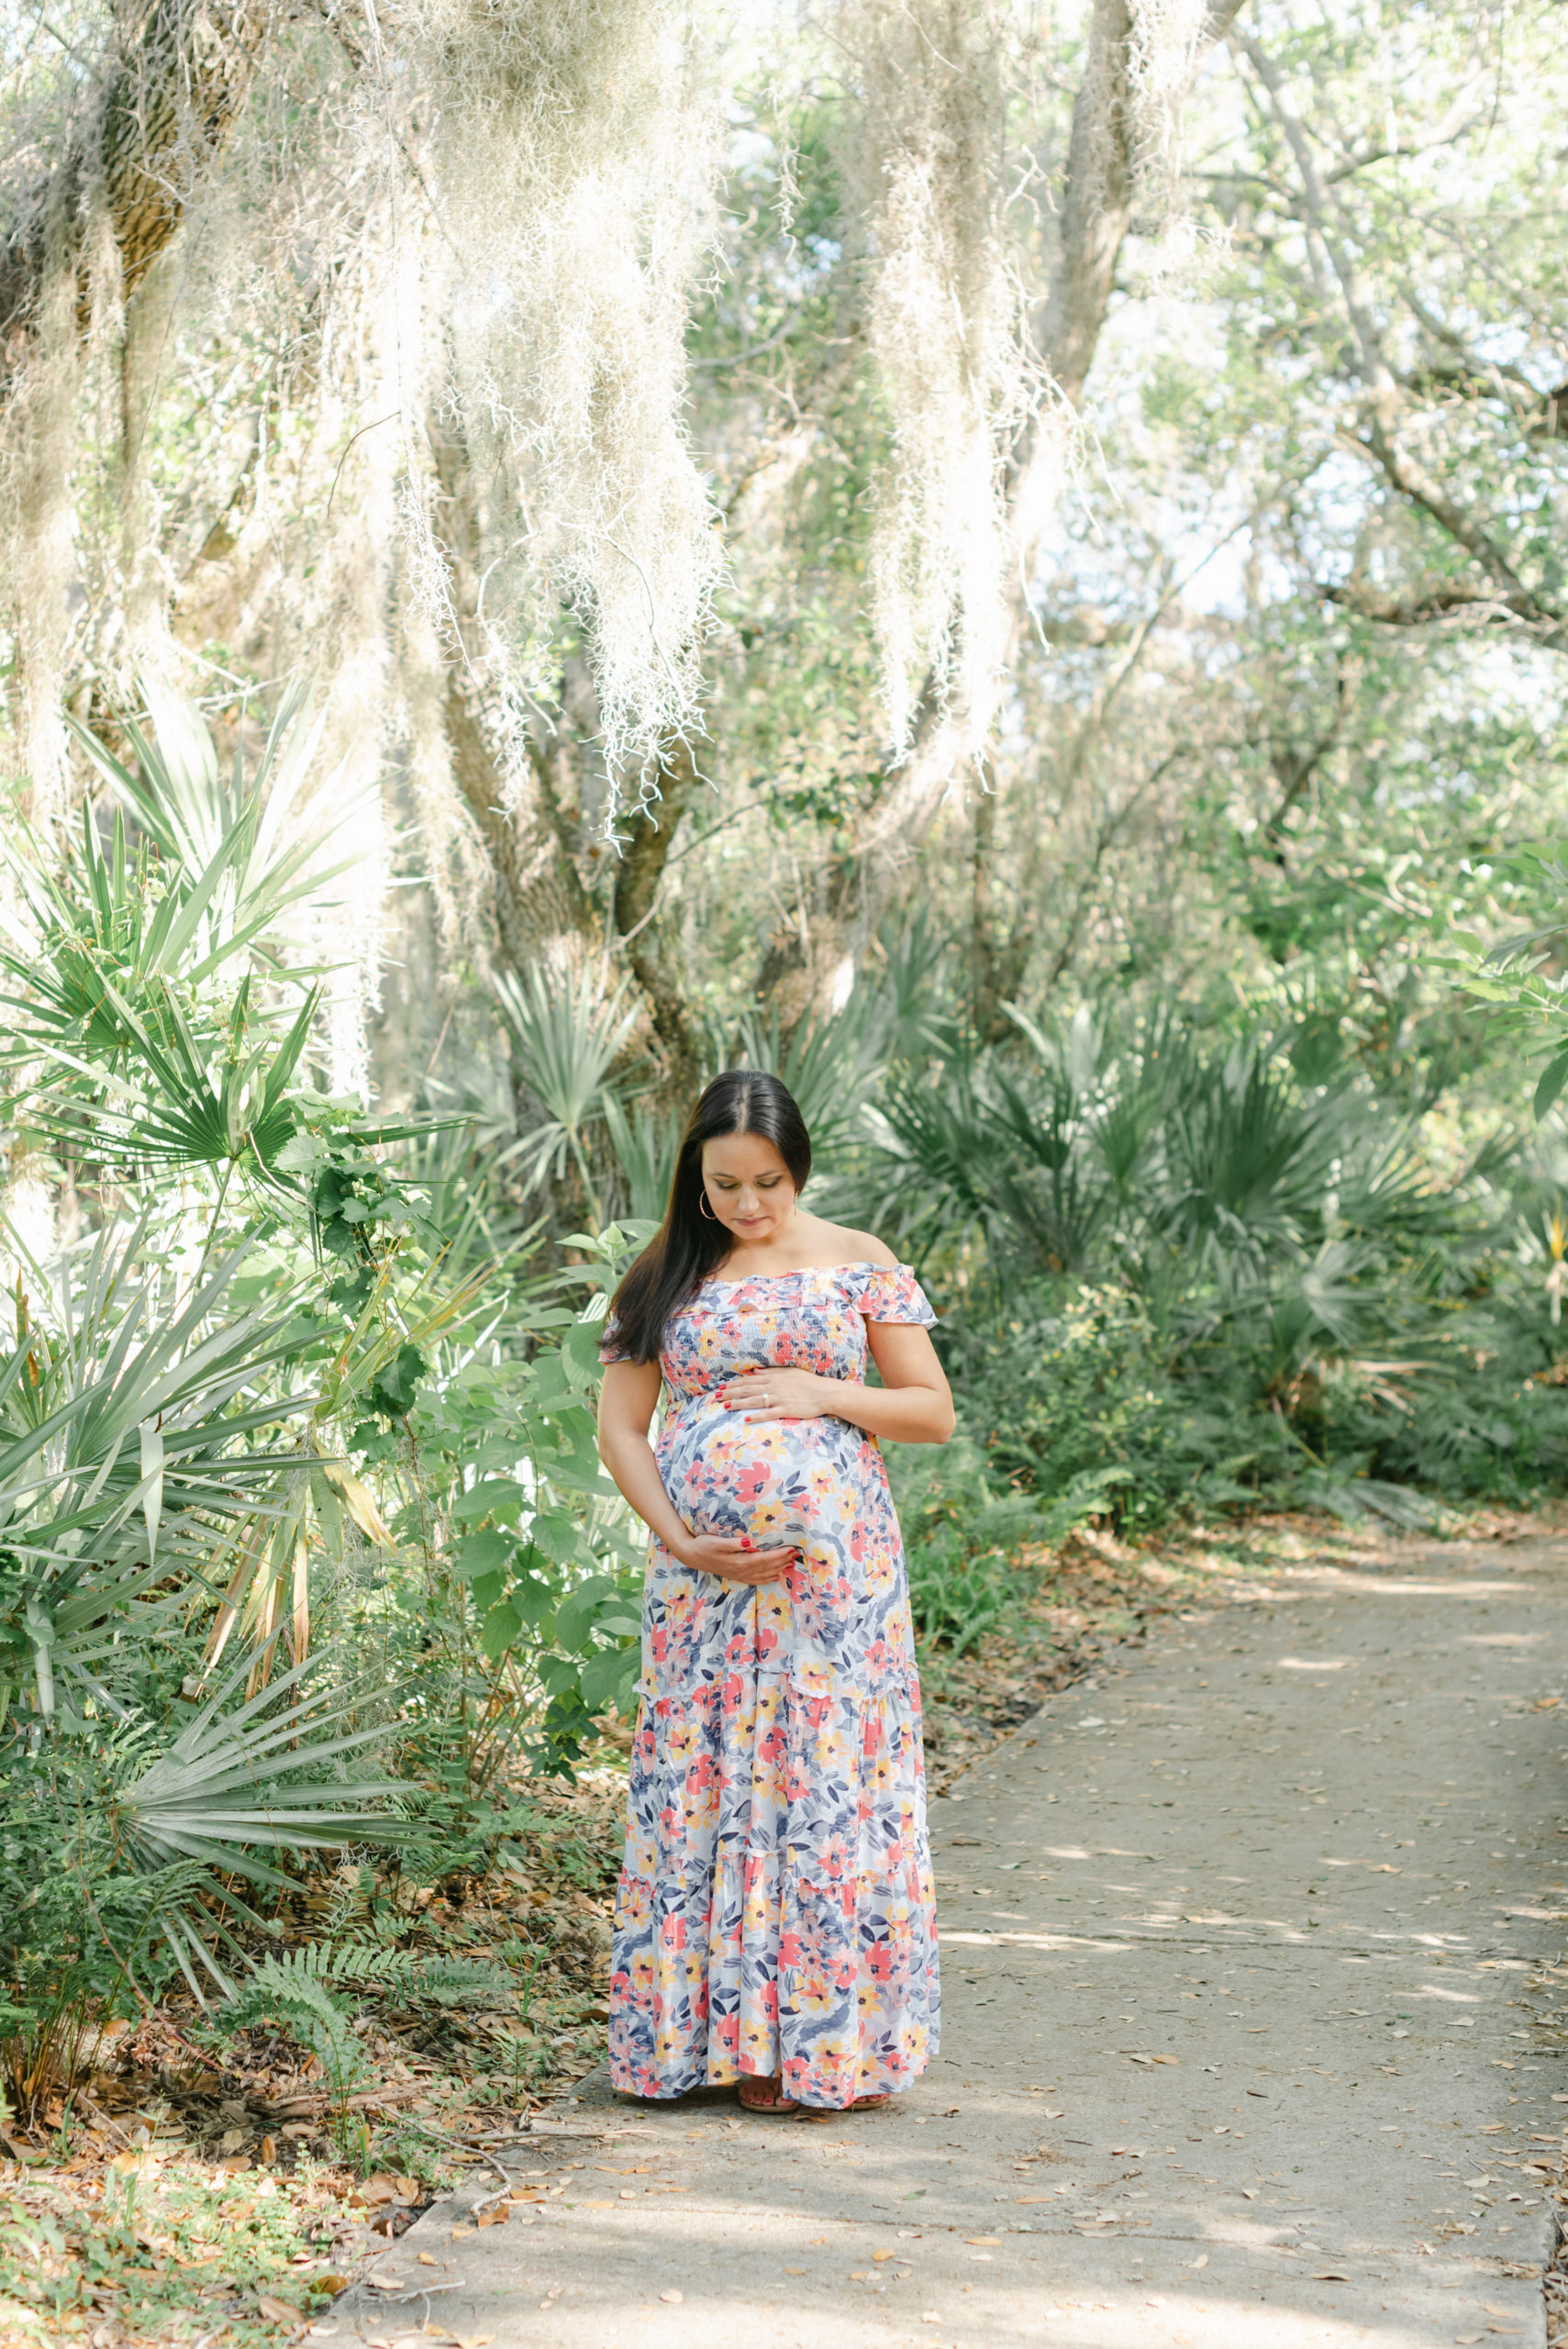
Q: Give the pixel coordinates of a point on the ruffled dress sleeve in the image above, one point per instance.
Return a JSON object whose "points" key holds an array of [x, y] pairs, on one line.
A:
{"points": [[610, 1347], [892, 1294]]}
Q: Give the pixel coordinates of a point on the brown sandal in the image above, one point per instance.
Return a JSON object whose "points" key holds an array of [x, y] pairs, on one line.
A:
{"points": [[768, 2095]]}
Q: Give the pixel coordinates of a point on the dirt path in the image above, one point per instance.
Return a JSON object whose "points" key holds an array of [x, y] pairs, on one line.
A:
{"points": [[1238, 1937]]}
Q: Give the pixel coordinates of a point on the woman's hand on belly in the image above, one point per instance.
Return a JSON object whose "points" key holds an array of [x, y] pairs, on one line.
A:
{"points": [[780, 1394], [735, 1559]]}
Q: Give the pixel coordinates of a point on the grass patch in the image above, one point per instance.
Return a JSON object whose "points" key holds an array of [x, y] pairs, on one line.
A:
{"points": [[149, 2250]]}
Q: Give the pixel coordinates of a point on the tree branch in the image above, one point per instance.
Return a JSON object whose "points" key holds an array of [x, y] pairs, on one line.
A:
{"points": [[1109, 826], [1416, 484], [1381, 440], [1423, 609]]}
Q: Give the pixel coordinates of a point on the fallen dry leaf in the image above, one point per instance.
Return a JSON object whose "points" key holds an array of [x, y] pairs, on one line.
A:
{"points": [[427, 2259], [983, 2243], [880, 2255], [672, 2295], [1328, 2275], [281, 2311]]}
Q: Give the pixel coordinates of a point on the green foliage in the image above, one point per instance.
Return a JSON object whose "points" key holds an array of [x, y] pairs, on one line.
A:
{"points": [[568, 1030], [532, 1564], [1080, 1399], [962, 1535], [1522, 981], [209, 1409], [122, 1851], [1211, 1270]]}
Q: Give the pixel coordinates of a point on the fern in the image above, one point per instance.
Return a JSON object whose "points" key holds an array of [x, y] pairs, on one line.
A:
{"points": [[282, 1990], [297, 1990], [443, 1981]]}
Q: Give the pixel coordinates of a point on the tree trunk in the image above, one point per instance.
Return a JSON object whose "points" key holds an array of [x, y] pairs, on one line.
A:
{"points": [[536, 894], [531, 841], [632, 917], [996, 959], [170, 101]]}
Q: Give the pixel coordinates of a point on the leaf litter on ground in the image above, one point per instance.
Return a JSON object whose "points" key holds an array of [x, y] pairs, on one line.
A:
{"points": [[205, 2183]]}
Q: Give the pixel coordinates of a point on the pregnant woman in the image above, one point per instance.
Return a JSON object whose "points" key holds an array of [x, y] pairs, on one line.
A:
{"points": [[775, 1923]]}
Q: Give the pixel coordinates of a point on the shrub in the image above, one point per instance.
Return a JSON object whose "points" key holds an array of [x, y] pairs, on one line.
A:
{"points": [[1079, 1391]]}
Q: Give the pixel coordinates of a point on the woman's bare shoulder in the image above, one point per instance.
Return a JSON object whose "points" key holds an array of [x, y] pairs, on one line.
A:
{"points": [[851, 1247]]}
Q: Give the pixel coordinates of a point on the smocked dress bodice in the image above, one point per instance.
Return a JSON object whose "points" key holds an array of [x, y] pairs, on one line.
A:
{"points": [[821, 1482]]}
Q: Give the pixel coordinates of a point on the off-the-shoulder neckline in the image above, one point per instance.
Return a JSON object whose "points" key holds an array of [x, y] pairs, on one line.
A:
{"points": [[856, 1265]]}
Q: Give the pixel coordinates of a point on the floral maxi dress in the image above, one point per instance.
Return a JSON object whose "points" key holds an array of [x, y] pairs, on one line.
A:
{"points": [[775, 1911]]}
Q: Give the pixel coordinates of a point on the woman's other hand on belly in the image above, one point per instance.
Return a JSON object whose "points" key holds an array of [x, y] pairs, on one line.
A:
{"points": [[779, 1393], [734, 1559]]}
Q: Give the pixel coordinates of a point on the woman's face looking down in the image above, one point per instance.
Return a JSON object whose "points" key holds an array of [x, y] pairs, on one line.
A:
{"points": [[748, 1186]]}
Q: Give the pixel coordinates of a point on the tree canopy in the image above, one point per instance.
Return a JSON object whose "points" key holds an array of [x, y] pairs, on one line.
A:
{"points": [[735, 479]]}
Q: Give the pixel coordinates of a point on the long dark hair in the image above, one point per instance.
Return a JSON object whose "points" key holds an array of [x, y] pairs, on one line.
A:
{"points": [[688, 1244]]}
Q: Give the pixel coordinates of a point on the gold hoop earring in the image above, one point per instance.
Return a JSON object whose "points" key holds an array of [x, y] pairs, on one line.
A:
{"points": [[704, 1209]]}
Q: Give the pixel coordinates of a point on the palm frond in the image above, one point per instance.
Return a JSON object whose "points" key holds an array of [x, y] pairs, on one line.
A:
{"points": [[255, 834], [645, 1146], [568, 1028], [267, 1776]]}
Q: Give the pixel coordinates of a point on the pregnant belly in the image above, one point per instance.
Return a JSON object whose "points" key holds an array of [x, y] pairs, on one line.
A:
{"points": [[774, 1480]]}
